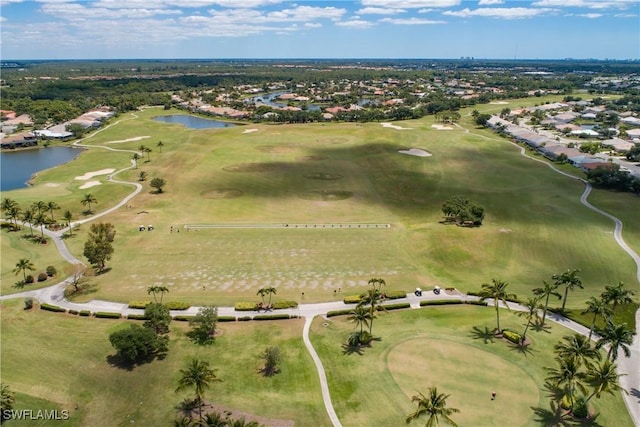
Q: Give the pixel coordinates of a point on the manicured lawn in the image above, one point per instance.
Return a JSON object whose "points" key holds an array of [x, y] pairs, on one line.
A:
{"points": [[453, 349]]}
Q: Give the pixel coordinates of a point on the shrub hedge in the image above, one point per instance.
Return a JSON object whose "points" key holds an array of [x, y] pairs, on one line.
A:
{"points": [[395, 294], [284, 304], [351, 299], [512, 336], [271, 316], [75, 312], [54, 308], [139, 304], [396, 306], [177, 305], [474, 302], [226, 318], [440, 302], [339, 312], [244, 318], [107, 315], [85, 313], [137, 317]]}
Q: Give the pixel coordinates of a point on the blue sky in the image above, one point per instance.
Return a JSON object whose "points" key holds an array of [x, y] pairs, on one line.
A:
{"points": [[504, 29]]}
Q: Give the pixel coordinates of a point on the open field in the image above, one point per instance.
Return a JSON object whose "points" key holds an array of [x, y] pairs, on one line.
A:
{"points": [[335, 173]]}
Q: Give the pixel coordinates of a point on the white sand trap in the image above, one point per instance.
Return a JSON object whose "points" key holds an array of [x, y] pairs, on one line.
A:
{"points": [[441, 127], [89, 184], [499, 103], [416, 152], [137, 138], [90, 175], [52, 184], [250, 130], [392, 126]]}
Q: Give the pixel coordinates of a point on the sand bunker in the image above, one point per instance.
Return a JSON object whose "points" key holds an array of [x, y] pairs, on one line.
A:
{"points": [[499, 103], [416, 152], [52, 184], [441, 127], [392, 126], [250, 130], [90, 175], [89, 184], [137, 138]]}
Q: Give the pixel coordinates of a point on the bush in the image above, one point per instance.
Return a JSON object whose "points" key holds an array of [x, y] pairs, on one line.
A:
{"points": [[397, 306], [395, 294], [440, 302], [512, 336], [28, 303], [139, 304], [580, 409], [137, 317], [107, 315], [271, 317], [74, 312], [85, 313], [339, 312], [284, 304], [474, 302], [53, 308], [29, 279], [177, 305], [473, 293], [42, 277], [245, 306], [352, 299], [51, 271], [244, 318], [226, 318]]}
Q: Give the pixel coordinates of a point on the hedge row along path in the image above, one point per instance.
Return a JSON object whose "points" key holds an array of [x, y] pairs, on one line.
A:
{"points": [[54, 295]]}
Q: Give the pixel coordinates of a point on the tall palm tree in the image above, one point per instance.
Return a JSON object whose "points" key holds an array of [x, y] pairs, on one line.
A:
{"points": [[7, 203], [160, 144], [578, 347], [604, 378], [148, 151], [616, 295], [617, 337], [39, 206], [434, 407], [372, 299], [12, 209], [157, 290], [22, 266], [135, 158], [360, 316], [545, 292], [199, 376], [27, 216], [598, 307], [262, 292], [496, 290], [52, 206], [68, 216], [568, 377], [13, 213], [40, 221], [570, 280], [532, 307], [377, 283], [270, 290], [88, 199]]}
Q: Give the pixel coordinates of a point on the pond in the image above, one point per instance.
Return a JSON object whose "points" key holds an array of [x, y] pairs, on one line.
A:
{"points": [[17, 167], [193, 122]]}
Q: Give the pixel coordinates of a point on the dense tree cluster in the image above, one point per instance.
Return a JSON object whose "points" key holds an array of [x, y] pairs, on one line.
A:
{"points": [[463, 211], [609, 175]]}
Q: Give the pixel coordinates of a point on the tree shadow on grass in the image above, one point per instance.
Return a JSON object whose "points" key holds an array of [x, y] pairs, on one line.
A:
{"points": [[522, 348], [117, 362], [488, 336], [556, 416], [538, 326], [352, 349]]}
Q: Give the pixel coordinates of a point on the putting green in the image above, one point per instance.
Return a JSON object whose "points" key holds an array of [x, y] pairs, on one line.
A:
{"points": [[469, 375]]}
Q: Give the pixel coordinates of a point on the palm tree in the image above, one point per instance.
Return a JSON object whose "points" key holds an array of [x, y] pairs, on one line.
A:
{"points": [[11, 207], [160, 144], [617, 337], [434, 407], [360, 316], [616, 295], [598, 307], [39, 206], [88, 199], [40, 221], [578, 347], [52, 206], [22, 266], [157, 290], [262, 292], [68, 216], [496, 290], [532, 307], [604, 379], [570, 280], [148, 151], [13, 213], [545, 292], [377, 283], [568, 377], [27, 216], [143, 149], [270, 290], [199, 376], [135, 158], [372, 299], [142, 175]]}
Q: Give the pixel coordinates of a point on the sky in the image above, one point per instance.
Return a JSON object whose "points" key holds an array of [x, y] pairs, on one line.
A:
{"points": [[275, 29]]}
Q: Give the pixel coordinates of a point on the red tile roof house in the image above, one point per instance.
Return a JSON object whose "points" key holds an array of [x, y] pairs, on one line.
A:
{"points": [[591, 166], [25, 139]]}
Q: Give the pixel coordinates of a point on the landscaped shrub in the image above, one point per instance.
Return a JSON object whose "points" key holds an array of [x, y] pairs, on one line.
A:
{"points": [[177, 305], [29, 279], [475, 302], [85, 313], [473, 293], [512, 336], [74, 312], [245, 306], [137, 317], [244, 318], [352, 299], [397, 306], [226, 318], [139, 304], [580, 409], [271, 317], [284, 304], [51, 271], [42, 277], [28, 303], [53, 308], [395, 294], [107, 315], [339, 312], [182, 318], [440, 302]]}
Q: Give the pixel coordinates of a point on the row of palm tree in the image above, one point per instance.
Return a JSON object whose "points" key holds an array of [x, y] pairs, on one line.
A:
{"points": [[268, 290]]}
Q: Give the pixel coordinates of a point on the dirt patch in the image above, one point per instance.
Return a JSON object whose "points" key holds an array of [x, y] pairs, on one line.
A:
{"points": [[326, 195], [323, 176], [276, 149], [312, 158], [222, 193], [505, 230], [254, 167]]}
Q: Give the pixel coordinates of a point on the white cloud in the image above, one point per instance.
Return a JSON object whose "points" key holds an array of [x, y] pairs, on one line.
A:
{"points": [[411, 4], [591, 4], [245, 4], [500, 12], [307, 13], [591, 15], [356, 23], [6, 2], [410, 21], [489, 2], [312, 25], [379, 11], [77, 12]]}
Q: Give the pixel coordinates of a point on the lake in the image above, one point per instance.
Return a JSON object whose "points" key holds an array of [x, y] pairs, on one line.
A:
{"points": [[193, 122], [17, 167]]}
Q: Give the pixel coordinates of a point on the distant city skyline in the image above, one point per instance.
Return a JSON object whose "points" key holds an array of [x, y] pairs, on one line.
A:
{"points": [[482, 29]]}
